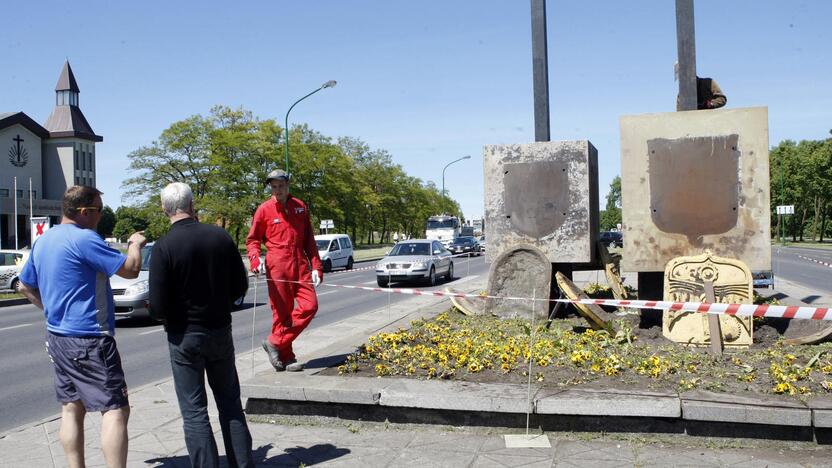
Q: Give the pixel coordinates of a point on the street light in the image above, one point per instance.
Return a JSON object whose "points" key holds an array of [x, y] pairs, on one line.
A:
{"points": [[328, 84], [443, 172]]}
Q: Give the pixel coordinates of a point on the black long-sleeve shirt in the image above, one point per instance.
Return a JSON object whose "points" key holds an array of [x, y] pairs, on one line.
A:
{"points": [[196, 273]]}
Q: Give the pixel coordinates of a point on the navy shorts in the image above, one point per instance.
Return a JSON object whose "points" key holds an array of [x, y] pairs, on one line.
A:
{"points": [[87, 369]]}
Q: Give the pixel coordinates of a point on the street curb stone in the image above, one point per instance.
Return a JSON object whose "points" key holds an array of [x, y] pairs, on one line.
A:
{"points": [[459, 396], [702, 405], [609, 402]]}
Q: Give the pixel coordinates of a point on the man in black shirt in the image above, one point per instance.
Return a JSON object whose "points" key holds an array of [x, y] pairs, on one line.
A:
{"points": [[196, 273]]}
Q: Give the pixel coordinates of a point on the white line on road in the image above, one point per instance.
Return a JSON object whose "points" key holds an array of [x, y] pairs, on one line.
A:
{"points": [[15, 326], [152, 331]]}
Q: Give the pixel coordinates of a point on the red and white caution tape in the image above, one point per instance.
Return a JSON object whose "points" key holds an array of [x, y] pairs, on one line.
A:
{"points": [[819, 262], [762, 310]]}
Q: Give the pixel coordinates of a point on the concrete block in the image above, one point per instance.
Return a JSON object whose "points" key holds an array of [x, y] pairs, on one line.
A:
{"points": [[821, 412], [692, 181], [701, 405], [545, 195], [460, 396], [322, 389], [609, 402]]}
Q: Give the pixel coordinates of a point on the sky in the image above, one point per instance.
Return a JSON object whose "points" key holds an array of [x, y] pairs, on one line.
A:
{"points": [[428, 81]]}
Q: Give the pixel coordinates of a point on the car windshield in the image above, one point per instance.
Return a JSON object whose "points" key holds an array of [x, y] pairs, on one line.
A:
{"points": [[410, 248], [146, 257], [322, 244], [442, 223]]}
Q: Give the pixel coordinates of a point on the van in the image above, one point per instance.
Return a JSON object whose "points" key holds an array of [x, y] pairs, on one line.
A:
{"points": [[335, 251]]}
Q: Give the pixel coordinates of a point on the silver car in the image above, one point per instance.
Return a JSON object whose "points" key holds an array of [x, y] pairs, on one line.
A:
{"points": [[415, 260]]}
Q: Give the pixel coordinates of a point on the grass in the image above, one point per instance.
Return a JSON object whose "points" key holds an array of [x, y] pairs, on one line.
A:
{"points": [[10, 296], [807, 244]]}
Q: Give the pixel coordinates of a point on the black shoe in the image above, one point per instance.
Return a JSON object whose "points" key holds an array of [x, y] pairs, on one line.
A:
{"points": [[274, 356], [294, 366]]}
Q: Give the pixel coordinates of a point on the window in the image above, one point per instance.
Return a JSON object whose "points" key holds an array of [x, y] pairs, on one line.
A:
{"points": [[345, 243], [20, 194], [4, 192], [334, 247], [77, 159]]}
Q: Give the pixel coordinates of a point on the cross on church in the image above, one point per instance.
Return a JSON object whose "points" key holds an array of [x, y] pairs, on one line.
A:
{"points": [[19, 141]]}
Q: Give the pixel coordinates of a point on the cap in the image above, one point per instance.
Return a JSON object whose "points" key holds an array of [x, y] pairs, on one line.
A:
{"points": [[277, 174]]}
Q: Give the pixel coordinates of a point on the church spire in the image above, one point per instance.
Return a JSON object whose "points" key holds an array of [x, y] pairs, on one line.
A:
{"points": [[66, 91]]}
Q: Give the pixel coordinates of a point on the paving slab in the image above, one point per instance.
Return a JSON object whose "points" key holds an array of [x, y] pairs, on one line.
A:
{"points": [[821, 411], [701, 405], [609, 402], [460, 396]]}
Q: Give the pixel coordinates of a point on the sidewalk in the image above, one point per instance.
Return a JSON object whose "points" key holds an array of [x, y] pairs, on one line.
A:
{"points": [[156, 437]]}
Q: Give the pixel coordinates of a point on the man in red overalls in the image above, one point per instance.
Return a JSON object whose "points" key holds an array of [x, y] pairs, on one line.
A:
{"points": [[283, 223]]}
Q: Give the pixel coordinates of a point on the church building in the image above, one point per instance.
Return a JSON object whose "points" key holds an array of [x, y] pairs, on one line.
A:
{"points": [[50, 158]]}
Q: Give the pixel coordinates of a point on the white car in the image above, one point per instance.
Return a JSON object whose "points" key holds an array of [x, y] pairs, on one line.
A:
{"points": [[335, 251], [11, 263], [415, 260]]}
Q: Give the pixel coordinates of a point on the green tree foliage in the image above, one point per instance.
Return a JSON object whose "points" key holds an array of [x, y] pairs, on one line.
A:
{"points": [[801, 175], [611, 215], [226, 156], [107, 222]]}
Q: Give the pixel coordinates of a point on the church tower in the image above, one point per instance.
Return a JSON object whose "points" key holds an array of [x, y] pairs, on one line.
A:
{"points": [[69, 153]]}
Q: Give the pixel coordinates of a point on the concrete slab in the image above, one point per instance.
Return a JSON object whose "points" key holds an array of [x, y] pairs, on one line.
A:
{"points": [[702, 405], [609, 402], [322, 389], [821, 411], [674, 164], [461, 396]]}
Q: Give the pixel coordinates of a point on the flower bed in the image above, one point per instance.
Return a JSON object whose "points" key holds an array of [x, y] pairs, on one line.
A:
{"points": [[487, 349]]}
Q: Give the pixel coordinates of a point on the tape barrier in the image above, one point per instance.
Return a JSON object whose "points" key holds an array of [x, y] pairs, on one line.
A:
{"points": [[762, 310], [819, 262]]}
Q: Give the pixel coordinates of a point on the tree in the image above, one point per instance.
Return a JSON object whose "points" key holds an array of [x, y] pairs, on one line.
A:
{"points": [[611, 216], [107, 222]]}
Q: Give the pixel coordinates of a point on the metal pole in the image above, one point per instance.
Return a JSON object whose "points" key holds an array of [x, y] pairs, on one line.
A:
{"points": [[30, 212], [328, 84], [15, 214], [540, 71], [686, 50], [443, 173]]}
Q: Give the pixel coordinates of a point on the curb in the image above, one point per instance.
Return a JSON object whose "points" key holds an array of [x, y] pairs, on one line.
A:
{"points": [[13, 302]]}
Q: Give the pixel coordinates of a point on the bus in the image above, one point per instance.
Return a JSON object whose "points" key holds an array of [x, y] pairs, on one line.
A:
{"points": [[443, 228]]}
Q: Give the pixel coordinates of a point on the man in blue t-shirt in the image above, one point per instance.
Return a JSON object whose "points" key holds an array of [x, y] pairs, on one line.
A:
{"points": [[68, 276]]}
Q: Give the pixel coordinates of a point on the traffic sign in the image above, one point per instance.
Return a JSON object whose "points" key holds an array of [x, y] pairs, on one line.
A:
{"points": [[785, 209], [327, 224], [39, 226]]}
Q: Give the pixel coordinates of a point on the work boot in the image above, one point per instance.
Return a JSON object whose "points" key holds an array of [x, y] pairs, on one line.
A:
{"points": [[294, 366], [274, 356]]}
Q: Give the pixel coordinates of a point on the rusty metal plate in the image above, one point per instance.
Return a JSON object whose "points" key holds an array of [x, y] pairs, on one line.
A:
{"points": [[536, 196], [694, 185]]}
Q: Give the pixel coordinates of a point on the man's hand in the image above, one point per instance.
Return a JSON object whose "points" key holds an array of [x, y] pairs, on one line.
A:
{"points": [[137, 238], [255, 264], [316, 278]]}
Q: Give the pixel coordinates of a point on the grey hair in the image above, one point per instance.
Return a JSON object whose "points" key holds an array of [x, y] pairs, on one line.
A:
{"points": [[177, 198]]}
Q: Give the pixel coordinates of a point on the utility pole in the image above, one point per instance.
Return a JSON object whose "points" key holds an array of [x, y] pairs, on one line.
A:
{"points": [[540, 71]]}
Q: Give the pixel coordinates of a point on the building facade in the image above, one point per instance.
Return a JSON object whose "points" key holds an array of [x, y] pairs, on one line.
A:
{"points": [[48, 158]]}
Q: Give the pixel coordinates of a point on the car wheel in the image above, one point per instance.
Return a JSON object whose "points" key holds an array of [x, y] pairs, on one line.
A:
{"points": [[15, 285], [349, 263], [432, 276], [381, 281], [239, 302], [327, 266], [450, 271]]}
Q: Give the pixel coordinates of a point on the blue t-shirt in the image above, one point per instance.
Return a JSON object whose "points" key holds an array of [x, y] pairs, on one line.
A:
{"points": [[71, 267]]}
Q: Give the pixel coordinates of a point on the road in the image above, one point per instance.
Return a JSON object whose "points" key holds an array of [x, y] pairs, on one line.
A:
{"points": [[27, 393], [810, 268]]}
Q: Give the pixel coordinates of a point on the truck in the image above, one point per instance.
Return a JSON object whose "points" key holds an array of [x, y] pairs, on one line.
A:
{"points": [[444, 228]]}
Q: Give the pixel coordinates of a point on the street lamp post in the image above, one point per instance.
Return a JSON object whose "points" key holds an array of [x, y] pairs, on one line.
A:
{"points": [[443, 173], [328, 84]]}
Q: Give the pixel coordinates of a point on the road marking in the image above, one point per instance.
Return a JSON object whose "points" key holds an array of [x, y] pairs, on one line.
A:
{"points": [[325, 293], [370, 282], [152, 331], [15, 326], [820, 262]]}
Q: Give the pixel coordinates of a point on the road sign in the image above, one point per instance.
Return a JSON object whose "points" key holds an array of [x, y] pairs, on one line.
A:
{"points": [[785, 209], [39, 226], [327, 224]]}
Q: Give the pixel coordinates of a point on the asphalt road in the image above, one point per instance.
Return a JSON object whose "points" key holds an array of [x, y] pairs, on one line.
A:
{"points": [[805, 267], [27, 393]]}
